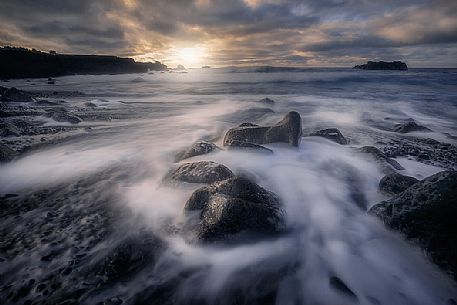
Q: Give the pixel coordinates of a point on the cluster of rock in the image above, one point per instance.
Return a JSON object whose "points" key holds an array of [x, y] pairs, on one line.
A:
{"points": [[232, 205], [425, 212]]}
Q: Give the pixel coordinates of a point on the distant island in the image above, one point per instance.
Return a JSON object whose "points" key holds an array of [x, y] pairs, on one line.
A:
{"points": [[18, 62], [383, 65]]}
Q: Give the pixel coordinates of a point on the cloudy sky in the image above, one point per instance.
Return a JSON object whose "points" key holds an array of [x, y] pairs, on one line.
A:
{"points": [[239, 32]]}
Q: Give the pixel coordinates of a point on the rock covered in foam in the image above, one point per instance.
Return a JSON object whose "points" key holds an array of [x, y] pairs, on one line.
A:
{"points": [[196, 149], [385, 162], [288, 130], [233, 206], [395, 183], [410, 126], [332, 134], [426, 212], [200, 172]]}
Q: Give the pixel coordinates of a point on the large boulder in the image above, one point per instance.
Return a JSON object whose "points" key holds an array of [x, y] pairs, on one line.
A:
{"points": [[395, 183], [288, 130], [332, 134], [410, 126], [384, 162], [426, 212], [200, 172], [16, 95], [6, 153], [233, 206], [196, 149]]}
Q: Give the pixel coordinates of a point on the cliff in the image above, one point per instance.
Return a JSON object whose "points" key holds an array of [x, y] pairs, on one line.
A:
{"points": [[25, 63]]}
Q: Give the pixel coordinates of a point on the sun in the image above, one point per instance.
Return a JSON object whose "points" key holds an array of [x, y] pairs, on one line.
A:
{"points": [[190, 57]]}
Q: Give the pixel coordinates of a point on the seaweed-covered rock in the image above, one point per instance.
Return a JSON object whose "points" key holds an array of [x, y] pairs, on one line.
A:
{"points": [[288, 130], [16, 95], [385, 162], [426, 212], [197, 149], [332, 134], [410, 126], [395, 183], [233, 206], [200, 172], [6, 153]]}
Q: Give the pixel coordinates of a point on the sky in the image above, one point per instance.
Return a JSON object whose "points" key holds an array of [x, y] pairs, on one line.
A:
{"points": [[324, 33]]}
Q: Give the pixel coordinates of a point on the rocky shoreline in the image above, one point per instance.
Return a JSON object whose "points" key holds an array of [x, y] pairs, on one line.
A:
{"points": [[228, 207]]}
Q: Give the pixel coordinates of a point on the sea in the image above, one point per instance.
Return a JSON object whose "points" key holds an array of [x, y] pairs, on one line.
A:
{"points": [[140, 121]]}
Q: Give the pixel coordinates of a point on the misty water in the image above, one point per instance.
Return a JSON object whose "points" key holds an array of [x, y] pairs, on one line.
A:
{"points": [[327, 233]]}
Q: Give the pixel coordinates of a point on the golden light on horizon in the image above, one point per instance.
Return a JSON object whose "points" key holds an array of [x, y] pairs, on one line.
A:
{"points": [[190, 57]]}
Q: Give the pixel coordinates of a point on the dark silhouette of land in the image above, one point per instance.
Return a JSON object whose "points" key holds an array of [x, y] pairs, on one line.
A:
{"points": [[383, 65], [26, 63]]}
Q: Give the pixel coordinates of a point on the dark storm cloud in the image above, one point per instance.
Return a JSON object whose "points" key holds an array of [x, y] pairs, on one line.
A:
{"points": [[313, 32]]}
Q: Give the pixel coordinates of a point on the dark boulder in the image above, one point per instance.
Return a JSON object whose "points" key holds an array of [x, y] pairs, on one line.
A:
{"points": [[288, 130], [395, 183], [200, 172], [128, 258], [332, 134], [410, 127], [233, 206], [197, 149], [16, 95], [385, 162], [6, 153], [426, 213], [382, 65]]}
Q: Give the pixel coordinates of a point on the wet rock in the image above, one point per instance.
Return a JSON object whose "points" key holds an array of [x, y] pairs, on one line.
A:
{"points": [[395, 183], [266, 101], [233, 206], [332, 134], [197, 149], [385, 162], [337, 284], [16, 95], [426, 213], [237, 145], [61, 116], [46, 103], [410, 126], [51, 81], [8, 129], [200, 172], [288, 130], [6, 153], [129, 257]]}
